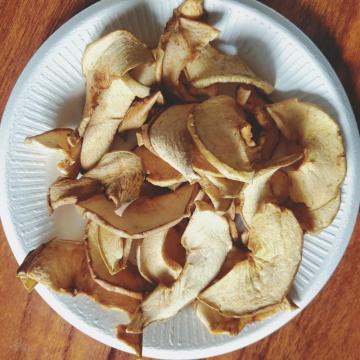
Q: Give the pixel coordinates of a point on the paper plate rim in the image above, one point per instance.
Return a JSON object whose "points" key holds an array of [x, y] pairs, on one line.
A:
{"points": [[75, 320]]}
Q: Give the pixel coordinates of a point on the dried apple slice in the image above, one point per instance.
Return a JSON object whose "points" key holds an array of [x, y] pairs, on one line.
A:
{"points": [[285, 148], [65, 140], [275, 241], [129, 242], [217, 323], [111, 248], [201, 165], [114, 54], [66, 191], [213, 121], [207, 241], [111, 56], [173, 53], [121, 173], [317, 180], [109, 90], [114, 102], [142, 137], [171, 140], [145, 73], [159, 57], [211, 66], [197, 33], [158, 172], [128, 281], [324, 216], [314, 221], [228, 189], [134, 341], [61, 265], [248, 97], [56, 139], [234, 256], [221, 205], [153, 262], [263, 127], [280, 186], [139, 112], [139, 90], [177, 45], [254, 194], [124, 141], [173, 247], [192, 9], [144, 216]]}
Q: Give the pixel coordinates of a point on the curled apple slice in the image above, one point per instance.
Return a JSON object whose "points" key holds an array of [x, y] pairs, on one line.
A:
{"points": [[145, 215], [275, 240], [207, 241], [62, 266]]}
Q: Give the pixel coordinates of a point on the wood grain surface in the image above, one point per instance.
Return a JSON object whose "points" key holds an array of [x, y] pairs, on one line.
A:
{"points": [[327, 329]]}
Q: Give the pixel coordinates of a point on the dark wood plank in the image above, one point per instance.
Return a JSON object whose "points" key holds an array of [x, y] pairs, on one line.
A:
{"points": [[327, 329]]}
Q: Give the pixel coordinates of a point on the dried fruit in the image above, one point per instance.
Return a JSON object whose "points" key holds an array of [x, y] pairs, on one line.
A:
{"points": [[275, 241], [207, 241], [143, 216], [317, 180]]}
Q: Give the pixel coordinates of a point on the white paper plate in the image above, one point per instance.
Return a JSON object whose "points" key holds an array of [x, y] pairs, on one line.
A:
{"points": [[50, 93]]}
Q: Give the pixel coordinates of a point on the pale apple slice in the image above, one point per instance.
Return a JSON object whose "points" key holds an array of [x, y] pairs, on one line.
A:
{"points": [[55, 139], [221, 204], [324, 216], [218, 324], [128, 281], [318, 179], [201, 165], [111, 248], [145, 215], [109, 57], [228, 189], [158, 172], [213, 121], [207, 241], [139, 111], [61, 265], [314, 221], [65, 191], [192, 9], [177, 45], [153, 262], [110, 91], [139, 90], [264, 278], [114, 54], [65, 140], [113, 103], [122, 174], [171, 140], [211, 66], [145, 73], [254, 194]]}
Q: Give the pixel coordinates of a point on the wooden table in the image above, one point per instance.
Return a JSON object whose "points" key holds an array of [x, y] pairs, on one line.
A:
{"points": [[327, 329]]}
